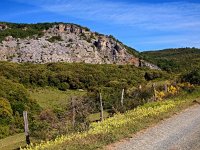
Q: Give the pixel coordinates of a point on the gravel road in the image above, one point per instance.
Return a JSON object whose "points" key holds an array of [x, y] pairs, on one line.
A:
{"points": [[180, 132]]}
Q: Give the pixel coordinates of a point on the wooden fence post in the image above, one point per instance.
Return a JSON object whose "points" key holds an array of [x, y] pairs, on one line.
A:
{"points": [[122, 98], [26, 130], [165, 88], [140, 87], [73, 112], [154, 91], [101, 105]]}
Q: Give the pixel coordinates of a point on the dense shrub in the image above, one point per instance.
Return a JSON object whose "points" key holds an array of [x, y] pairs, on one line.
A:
{"points": [[63, 86], [4, 131], [77, 75], [192, 77], [171, 60], [152, 75], [14, 99], [51, 123], [5, 112]]}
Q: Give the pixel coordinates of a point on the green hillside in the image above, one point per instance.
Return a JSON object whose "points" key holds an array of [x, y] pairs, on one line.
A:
{"points": [[175, 60], [46, 92]]}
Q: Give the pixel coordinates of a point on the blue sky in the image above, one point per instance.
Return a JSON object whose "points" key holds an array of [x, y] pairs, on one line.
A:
{"points": [[141, 24]]}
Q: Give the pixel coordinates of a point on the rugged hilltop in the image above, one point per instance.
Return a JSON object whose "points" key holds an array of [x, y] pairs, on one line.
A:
{"points": [[61, 42]]}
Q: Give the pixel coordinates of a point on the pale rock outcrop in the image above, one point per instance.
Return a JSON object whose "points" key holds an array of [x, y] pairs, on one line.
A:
{"points": [[75, 44], [3, 27]]}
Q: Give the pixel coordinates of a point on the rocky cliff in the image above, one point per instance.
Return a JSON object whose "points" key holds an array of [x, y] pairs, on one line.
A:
{"points": [[61, 42], [65, 43]]}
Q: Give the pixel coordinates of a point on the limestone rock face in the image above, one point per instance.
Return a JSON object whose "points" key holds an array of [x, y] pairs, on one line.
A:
{"points": [[3, 26], [66, 43], [149, 65]]}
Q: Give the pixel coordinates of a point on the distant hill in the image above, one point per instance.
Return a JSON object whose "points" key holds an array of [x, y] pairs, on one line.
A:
{"points": [[175, 60]]}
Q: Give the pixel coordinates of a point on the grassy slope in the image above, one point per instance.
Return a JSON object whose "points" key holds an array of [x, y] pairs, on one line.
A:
{"points": [[96, 116], [183, 59], [122, 125], [51, 97], [14, 142], [47, 98]]}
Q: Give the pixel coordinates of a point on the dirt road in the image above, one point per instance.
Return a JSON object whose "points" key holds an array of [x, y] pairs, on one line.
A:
{"points": [[180, 132]]}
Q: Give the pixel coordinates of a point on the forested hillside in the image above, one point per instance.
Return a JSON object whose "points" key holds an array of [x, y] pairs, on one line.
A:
{"points": [[175, 60], [20, 91]]}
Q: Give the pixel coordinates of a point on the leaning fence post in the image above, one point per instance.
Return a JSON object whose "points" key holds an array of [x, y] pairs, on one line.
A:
{"points": [[101, 105], [26, 130], [122, 98]]}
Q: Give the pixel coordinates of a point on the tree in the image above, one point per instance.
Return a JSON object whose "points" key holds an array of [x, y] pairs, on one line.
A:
{"points": [[5, 111], [192, 77]]}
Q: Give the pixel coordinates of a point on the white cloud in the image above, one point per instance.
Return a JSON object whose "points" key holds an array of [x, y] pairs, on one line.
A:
{"points": [[160, 16], [167, 19]]}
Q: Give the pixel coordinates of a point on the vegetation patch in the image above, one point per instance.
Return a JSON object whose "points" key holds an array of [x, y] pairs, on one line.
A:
{"points": [[13, 142], [171, 60], [51, 97], [119, 126], [29, 30], [192, 77], [55, 38]]}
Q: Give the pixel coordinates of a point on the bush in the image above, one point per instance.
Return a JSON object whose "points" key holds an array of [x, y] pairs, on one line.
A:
{"points": [[4, 131], [193, 77], [15, 93], [55, 38], [5, 112], [14, 99], [63, 86], [152, 75]]}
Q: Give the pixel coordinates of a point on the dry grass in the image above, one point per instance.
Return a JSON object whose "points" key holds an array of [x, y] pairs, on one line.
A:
{"points": [[51, 97]]}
